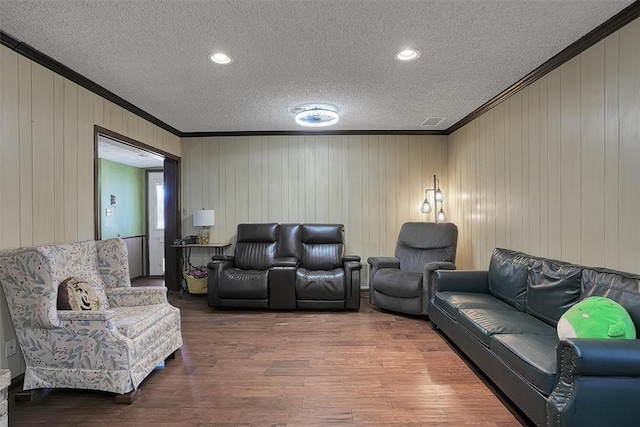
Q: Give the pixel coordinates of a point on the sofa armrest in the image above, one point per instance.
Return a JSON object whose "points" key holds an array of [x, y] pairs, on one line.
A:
{"points": [[222, 258], [351, 258], [286, 262], [595, 374], [461, 281], [602, 357], [428, 281], [90, 316], [134, 297]]}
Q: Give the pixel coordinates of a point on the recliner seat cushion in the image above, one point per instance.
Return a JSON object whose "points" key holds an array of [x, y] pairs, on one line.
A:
{"points": [[453, 302], [484, 323], [396, 283], [508, 274], [531, 356], [320, 284], [552, 288], [235, 283]]}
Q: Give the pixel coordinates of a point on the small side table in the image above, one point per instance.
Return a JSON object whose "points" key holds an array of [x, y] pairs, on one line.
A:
{"points": [[185, 257]]}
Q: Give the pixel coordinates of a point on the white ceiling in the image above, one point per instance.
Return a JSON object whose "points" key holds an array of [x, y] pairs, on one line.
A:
{"points": [[286, 53], [118, 152]]}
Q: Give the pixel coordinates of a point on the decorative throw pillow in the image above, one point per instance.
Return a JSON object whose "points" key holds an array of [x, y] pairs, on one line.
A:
{"points": [[76, 293]]}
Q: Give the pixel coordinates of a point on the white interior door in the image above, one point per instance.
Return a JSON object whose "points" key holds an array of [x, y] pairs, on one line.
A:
{"points": [[156, 223]]}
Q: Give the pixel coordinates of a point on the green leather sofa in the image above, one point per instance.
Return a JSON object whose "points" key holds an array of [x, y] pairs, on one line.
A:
{"points": [[504, 320]]}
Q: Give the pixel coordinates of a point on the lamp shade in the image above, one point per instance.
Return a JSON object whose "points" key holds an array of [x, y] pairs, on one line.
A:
{"points": [[204, 218]]}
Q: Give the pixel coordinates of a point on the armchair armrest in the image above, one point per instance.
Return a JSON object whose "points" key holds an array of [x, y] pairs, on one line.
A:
{"points": [[461, 281], [78, 315], [378, 263], [351, 258], [595, 374], [133, 297], [384, 262]]}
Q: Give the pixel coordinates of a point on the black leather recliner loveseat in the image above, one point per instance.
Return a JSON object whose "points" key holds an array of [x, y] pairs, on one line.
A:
{"points": [[504, 320], [286, 267]]}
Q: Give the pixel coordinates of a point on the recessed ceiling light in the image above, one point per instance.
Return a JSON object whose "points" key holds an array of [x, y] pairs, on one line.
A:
{"points": [[407, 55], [220, 58]]}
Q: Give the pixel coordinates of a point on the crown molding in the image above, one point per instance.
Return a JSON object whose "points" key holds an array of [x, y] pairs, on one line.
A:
{"points": [[607, 28], [66, 72], [312, 133]]}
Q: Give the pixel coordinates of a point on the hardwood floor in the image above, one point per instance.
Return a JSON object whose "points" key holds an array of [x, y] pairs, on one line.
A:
{"points": [[290, 369]]}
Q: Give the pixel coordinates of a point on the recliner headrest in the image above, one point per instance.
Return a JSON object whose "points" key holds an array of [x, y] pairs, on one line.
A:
{"points": [[322, 233], [259, 233]]}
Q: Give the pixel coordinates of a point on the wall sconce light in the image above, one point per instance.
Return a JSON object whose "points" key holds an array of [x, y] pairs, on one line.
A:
{"points": [[438, 198], [203, 218]]}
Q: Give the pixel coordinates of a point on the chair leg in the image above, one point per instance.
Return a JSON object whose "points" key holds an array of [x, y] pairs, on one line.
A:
{"points": [[29, 395], [127, 398], [171, 356]]}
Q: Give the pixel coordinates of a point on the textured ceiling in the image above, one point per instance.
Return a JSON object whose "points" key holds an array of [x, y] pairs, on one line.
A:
{"points": [[287, 53]]}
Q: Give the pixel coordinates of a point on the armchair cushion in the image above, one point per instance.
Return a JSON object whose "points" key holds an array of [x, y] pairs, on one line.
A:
{"points": [[398, 283], [132, 321], [77, 293]]}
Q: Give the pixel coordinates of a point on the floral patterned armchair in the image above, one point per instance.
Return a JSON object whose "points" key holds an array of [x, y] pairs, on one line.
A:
{"points": [[113, 348]]}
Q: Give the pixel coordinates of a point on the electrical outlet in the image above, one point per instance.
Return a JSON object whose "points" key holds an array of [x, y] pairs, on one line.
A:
{"points": [[11, 347]]}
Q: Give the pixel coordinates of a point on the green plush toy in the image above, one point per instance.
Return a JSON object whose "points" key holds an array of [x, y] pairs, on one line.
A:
{"points": [[596, 317]]}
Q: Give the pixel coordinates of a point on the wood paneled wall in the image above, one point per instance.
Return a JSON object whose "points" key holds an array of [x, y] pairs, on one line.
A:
{"points": [[371, 184], [555, 169], [47, 160]]}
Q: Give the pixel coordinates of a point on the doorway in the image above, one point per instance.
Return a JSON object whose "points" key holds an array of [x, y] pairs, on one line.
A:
{"points": [[155, 219], [159, 197]]}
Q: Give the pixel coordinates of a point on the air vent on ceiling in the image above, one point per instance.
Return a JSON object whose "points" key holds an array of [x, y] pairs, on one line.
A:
{"points": [[295, 110], [432, 121]]}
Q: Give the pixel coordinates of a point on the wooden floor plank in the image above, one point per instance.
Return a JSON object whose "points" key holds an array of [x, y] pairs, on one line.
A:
{"points": [[258, 368]]}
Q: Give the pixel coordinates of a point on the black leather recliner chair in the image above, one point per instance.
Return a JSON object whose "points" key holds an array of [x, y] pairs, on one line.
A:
{"points": [[242, 280], [326, 279]]}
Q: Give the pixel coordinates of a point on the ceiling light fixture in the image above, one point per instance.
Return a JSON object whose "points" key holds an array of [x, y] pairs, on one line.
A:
{"points": [[317, 117], [407, 55], [220, 58]]}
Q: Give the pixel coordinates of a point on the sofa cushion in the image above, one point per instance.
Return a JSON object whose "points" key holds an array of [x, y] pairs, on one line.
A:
{"points": [[531, 356], [396, 283], [552, 288], [77, 293], [132, 321], [623, 288], [453, 302], [234, 283], [320, 284], [483, 323], [508, 272]]}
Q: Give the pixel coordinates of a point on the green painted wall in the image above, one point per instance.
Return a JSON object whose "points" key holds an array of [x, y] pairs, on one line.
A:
{"points": [[127, 184]]}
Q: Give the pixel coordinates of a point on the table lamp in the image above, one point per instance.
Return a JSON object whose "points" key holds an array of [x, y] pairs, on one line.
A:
{"points": [[203, 218]]}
